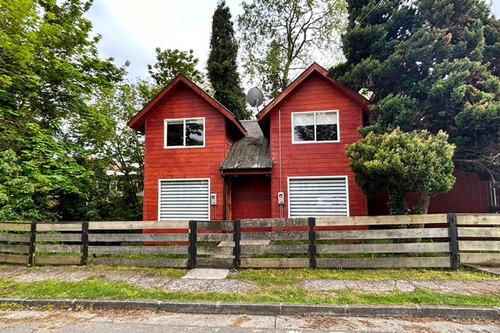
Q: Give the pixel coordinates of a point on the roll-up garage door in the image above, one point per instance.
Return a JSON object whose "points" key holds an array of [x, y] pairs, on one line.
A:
{"points": [[184, 199], [325, 196]]}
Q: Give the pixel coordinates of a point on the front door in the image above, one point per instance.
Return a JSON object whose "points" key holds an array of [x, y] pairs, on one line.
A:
{"points": [[250, 197]]}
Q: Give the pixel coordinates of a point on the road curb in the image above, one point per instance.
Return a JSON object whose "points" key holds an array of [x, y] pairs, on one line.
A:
{"points": [[271, 309]]}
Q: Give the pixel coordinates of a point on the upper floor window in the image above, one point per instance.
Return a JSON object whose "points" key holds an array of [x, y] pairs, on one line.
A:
{"points": [[189, 132], [317, 126]]}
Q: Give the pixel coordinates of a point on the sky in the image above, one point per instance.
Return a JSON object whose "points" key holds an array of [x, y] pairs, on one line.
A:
{"points": [[132, 29]]}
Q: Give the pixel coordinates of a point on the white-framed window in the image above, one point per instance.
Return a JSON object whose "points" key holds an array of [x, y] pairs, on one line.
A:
{"points": [[315, 126], [318, 196], [184, 132], [184, 199]]}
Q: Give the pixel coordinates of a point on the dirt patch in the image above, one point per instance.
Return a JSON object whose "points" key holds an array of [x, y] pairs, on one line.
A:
{"points": [[239, 321]]}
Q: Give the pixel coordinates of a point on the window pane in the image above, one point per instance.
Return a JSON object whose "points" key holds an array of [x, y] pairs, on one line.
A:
{"points": [[175, 133], [326, 132], [326, 118], [326, 126], [303, 127], [194, 132]]}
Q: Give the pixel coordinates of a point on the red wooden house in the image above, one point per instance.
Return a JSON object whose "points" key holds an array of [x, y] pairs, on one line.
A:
{"points": [[202, 163]]}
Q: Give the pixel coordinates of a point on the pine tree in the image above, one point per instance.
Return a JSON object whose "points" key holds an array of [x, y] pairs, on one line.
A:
{"points": [[430, 64], [221, 65]]}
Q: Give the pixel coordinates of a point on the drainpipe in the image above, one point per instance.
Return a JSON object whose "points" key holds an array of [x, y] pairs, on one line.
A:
{"points": [[279, 141]]}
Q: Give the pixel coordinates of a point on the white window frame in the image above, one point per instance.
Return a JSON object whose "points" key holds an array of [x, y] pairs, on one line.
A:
{"points": [[315, 141], [346, 178], [182, 179], [165, 122]]}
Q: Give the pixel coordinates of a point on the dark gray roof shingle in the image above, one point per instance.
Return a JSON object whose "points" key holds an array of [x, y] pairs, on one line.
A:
{"points": [[250, 152]]}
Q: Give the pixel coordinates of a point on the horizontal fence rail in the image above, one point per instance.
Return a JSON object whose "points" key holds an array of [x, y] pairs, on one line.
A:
{"points": [[479, 239], [434, 240]]}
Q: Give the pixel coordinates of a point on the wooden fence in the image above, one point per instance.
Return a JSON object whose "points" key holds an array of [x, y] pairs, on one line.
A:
{"points": [[439, 240]]}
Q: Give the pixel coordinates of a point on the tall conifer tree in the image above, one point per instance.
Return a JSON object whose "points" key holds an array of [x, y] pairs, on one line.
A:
{"points": [[430, 64], [221, 65]]}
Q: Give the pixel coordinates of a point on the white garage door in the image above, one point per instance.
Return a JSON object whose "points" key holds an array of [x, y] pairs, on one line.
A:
{"points": [[325, 196], [184, 199]]}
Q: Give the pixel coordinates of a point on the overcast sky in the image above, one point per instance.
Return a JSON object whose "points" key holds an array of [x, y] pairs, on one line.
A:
{"points": [[132, 29]]}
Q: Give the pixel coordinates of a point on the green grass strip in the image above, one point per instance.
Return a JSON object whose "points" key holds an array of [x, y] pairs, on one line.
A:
{"points": [[273, 277], [95, 288]]}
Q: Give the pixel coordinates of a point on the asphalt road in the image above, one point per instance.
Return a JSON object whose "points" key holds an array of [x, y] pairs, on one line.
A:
{"points": [[110, 321]]}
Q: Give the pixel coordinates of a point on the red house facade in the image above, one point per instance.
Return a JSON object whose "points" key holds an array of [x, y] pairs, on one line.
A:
{"points": [[202, 163]]}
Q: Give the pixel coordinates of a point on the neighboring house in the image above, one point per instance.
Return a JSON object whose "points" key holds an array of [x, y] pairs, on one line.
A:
{"points": [[202, 163]]}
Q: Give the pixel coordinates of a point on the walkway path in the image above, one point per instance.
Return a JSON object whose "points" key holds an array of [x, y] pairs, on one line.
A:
{"points": [[210, 280]]}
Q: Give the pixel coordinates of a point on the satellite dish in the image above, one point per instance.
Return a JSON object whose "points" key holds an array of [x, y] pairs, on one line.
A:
{"points": [[255, 97]]}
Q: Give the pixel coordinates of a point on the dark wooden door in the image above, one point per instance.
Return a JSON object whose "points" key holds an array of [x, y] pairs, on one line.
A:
{"points": [[250, 197]]}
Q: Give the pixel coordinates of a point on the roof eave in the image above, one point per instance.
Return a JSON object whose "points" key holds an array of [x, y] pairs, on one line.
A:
{"points": [[137, 122], [357, 98]]}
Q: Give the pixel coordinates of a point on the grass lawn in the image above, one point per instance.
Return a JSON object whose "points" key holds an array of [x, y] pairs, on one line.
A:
{"points": [[273, 285], [266, 277]]}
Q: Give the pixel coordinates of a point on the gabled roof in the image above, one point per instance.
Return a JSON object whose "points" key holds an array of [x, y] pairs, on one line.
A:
{"points": [[249, 153], [137, 122], [314, 68]]}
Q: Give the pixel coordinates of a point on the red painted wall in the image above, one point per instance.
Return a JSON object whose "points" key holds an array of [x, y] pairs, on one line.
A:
{"points": [[314, 159], [468, 195], [251, 197], [203, 162]]}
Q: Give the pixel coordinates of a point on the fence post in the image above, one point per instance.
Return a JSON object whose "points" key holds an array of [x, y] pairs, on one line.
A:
{"points": [[31, 256], [192, 244], [312, 242], [453, 232], [237, 245], [85, 243]]}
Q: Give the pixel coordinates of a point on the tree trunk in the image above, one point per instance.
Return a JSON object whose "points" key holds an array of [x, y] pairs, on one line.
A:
{"points": [[421, 207], [423, 200]]}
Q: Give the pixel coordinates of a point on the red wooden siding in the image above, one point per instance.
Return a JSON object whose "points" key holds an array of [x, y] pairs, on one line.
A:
{"points": [[314, 159], [228, 145], [468, 195], [203, 162], [251, 197]]}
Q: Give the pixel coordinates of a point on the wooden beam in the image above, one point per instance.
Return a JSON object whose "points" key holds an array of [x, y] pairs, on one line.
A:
{"points": [[13, 226], [143, 237], [385, 248], [57, 260], [274, 262], [55, 226], [478, 219], [130, 225], [380, 220], [478, 232], [175, 249], [176, 263], [384, 233], [480, 258], [479, 245], [383, 262]]}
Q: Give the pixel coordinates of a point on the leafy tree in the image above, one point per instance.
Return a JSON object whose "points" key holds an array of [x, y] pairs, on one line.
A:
{"points": [[279, 37], [400, 162], [430, 65], [170, 62], [222, 66], [49, 71]]}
